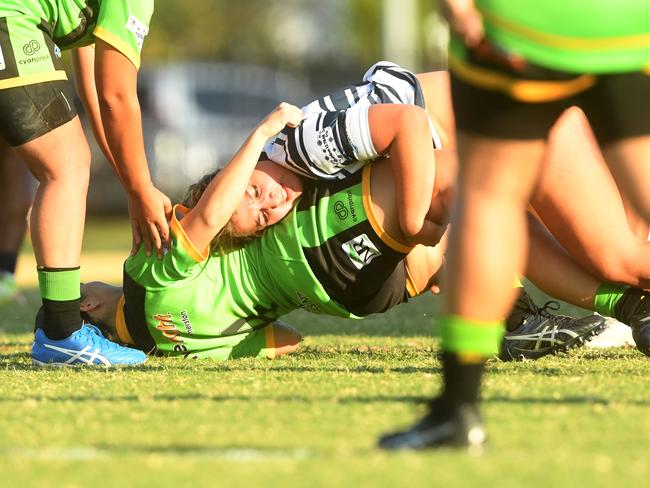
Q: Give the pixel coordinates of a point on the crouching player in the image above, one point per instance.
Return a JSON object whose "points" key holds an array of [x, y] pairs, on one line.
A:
{"points": [[193, 304]]}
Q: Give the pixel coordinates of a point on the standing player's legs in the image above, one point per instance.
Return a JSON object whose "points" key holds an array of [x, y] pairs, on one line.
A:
{"points": [[15, 199], [52, 144], [487, 250], [63, 171], [38, 120], [40, 124]]}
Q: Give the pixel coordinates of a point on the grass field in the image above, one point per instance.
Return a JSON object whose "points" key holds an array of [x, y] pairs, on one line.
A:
{"points": [[311, 419]]}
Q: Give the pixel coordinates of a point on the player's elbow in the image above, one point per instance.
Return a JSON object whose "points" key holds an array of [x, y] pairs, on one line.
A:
{"points": [[412, 117], [411, 226], [117, 103]]}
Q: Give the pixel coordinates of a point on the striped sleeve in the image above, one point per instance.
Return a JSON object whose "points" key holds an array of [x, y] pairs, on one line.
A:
{"points": [[383, 83]]}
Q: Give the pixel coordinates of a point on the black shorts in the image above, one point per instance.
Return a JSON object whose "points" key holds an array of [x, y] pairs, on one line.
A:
{"points": [[494, 99], [30, 111]]}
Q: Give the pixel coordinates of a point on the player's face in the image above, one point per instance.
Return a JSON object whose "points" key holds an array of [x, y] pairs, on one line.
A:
{"points": [[270, 195]]}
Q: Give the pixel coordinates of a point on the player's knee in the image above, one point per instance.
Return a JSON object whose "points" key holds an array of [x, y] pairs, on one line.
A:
{"points": [[411, 226]]}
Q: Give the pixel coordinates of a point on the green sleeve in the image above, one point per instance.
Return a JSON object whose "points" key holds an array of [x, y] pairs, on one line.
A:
{"points": [[124, 24]]}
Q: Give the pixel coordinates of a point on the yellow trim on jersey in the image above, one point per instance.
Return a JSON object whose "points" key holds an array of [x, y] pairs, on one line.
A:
{"points": [[269, 335], [123, 333], [522, 90], [33, 78], [634, 41], [185, 241], [372, 218], [118, 44], [410, 283]]}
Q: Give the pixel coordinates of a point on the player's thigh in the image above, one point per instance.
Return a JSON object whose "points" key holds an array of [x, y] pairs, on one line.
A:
{"points": [[60, 153], [502, 169], [40, 122], [501, 126], [576, 197], [627, 159]]}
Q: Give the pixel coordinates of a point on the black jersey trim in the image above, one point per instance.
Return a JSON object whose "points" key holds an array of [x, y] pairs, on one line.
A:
{"points": [[134, 314]]}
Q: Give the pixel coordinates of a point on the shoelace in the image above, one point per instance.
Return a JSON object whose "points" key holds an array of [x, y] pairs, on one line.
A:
{"points": [[544, 310], [96, 338]]}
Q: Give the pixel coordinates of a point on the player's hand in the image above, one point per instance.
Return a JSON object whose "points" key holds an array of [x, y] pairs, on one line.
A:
{"points": [[149, 210], [465, 20], [282, 116]]}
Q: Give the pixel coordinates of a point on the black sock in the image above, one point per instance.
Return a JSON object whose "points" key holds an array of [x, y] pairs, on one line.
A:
{"points": [[59, 319], [633, 301], [8, 262], [462, 379]]}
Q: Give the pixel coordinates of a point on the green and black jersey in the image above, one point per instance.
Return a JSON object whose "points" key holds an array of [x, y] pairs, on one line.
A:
{"points": [[329, 256], [358, 267], [32, 34], [192, 303]]}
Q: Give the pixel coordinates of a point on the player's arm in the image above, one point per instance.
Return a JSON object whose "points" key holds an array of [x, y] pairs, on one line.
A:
{"points": [[116, 82], [84, 69], [464, 19], [403, 133], [226, 190]]}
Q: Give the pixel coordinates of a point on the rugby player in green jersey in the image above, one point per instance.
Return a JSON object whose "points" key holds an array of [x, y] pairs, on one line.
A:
{"points": [[323, 258], [38, 118], [242, 291], [516, 67]]}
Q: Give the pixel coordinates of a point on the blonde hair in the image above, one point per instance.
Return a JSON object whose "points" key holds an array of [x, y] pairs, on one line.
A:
{"points": [[225, 240]]}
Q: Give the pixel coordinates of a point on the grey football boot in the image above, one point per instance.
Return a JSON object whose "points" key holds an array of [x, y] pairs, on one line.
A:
{"points": [[534, 332]]}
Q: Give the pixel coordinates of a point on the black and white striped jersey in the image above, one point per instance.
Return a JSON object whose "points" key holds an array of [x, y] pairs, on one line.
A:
{"points": [[333, 141]]}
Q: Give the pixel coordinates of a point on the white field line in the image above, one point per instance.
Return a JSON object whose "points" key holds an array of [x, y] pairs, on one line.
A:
{"points": [[92, 454]]}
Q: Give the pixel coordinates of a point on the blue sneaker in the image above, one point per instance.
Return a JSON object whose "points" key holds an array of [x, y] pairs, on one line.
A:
{"points": [[86, 346]]}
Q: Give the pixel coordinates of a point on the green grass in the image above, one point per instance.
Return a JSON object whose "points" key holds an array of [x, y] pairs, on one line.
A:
{"points": [[312, 419]]}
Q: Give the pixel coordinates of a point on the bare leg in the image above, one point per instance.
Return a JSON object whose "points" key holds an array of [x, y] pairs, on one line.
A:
{"points": [[579, 202], [627, 160], [553, 271], [424, 264], [403, 132], [16, 194], [488, 241], [58, 214]]}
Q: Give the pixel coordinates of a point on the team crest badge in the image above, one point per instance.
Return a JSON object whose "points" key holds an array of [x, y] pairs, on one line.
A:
{"points": [[361, 250]]}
